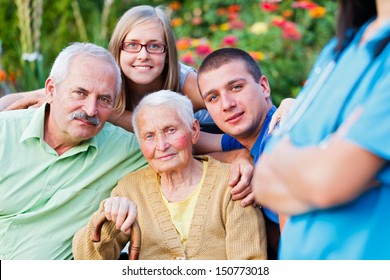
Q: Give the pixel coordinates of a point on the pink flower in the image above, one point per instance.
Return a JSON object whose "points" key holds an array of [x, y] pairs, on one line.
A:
{"points": [[306, 5], [203, 50], [188, 58], [229, 40], [197, 21], [237, 24]]}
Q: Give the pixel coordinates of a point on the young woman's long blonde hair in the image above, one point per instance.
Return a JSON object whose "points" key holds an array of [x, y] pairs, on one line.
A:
{"points": [[139, 15]]}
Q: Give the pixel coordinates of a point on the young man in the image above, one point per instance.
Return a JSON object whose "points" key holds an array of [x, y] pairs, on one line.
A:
{"points": [[237, 96]]}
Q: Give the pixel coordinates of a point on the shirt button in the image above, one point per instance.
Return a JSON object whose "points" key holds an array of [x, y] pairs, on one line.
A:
{"points": [[14, 227]]}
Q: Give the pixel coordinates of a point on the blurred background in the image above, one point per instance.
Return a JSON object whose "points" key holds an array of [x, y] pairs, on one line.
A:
{"points": [[284, 36]]}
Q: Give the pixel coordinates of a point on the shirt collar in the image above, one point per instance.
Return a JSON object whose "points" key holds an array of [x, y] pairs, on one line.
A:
{"points": [[258, 147], [36, 130], [36, 125]]}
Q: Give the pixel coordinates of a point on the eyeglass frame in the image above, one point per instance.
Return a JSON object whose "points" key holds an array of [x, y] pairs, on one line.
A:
{"points": [[144, 46]]}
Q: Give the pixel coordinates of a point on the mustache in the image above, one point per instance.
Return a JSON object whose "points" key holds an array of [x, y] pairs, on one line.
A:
{"points": [[83, 116]]}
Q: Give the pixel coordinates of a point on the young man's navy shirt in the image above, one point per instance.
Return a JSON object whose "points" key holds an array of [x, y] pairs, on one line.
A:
{"points": [[229, 143]]}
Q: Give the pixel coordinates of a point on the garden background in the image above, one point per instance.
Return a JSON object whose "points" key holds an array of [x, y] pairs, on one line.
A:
{"points": [[284, 36]]}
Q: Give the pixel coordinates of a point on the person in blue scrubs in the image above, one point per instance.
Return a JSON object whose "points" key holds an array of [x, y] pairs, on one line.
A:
{"points": [[237, 96], [327, 166]]}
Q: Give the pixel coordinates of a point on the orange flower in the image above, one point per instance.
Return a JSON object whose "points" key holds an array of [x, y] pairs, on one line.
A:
{"points": [[317, 12], [12, 77], [258, 56], [287, 13], [221, 11], [183, 44], [3, 76], [176, 22], [213, 28], [175, 5]]}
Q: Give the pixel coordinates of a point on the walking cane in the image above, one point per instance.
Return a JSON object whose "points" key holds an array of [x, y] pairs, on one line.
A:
{"points": [[135, 236]]}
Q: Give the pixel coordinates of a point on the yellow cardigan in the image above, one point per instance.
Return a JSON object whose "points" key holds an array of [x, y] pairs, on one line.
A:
{"points": [[220, 228]]}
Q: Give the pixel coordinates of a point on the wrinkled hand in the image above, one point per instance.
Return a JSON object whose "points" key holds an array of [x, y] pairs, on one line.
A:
{"points": [[29, 100], [281, 113], [121, 211], [241, 171]]}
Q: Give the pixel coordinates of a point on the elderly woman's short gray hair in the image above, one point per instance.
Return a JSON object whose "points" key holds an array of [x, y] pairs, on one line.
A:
{"points": [[180, 103]]}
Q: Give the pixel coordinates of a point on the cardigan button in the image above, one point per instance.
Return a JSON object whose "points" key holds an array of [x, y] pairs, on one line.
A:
{"points": [[180, 258]]}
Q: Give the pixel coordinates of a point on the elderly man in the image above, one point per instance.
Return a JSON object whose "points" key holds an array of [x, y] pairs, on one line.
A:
{"points": [[60, 160]]}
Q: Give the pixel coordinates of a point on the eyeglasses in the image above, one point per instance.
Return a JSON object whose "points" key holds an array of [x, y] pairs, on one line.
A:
{"points": [[153, 48]]}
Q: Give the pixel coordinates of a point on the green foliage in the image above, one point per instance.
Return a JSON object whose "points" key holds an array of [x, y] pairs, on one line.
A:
{"points": [[199, 26], [284, 39]]}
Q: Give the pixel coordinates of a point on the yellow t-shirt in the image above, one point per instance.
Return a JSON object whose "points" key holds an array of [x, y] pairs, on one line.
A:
{"points": [[181, 212]]}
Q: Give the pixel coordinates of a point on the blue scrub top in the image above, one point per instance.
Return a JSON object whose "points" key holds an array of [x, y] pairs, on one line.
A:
{"points": [[359, 229]]}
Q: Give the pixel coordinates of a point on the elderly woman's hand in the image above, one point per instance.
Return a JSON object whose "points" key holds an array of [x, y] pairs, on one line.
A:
{"points": [[121, 211], [242, 169]]}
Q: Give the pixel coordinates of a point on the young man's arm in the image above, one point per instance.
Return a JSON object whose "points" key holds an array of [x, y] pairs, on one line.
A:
{"points": [[242, 165]]}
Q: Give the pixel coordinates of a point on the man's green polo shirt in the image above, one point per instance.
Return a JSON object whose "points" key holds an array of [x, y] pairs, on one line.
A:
{"points": [[46, 198]]}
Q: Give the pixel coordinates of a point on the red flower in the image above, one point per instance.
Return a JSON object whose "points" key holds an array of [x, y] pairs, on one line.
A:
{"points": [[233, 16], [279, 22], [269, 7], [291, 32], [234, 9]]}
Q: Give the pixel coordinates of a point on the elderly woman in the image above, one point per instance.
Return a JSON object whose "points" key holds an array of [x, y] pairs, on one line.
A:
{"points": [[184, 206]]}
